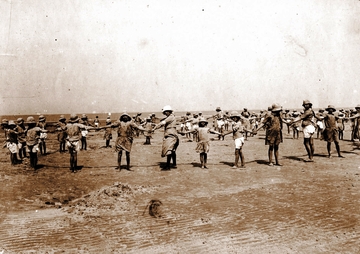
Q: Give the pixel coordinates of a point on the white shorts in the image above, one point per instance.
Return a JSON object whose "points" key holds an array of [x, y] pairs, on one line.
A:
{"points": [[239, 142], [320, 124], [13, 147], [32, 149], [43, 135], [308, 131], [73, 146], [220, 123]]}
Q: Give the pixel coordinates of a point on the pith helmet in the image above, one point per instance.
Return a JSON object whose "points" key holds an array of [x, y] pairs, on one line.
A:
{"points": [[276, 107], [203, 120], [42, 118], [234, 114], [167, 108], [11, 122], [4, 121], [125, 115], [74, 118], [330, 107], [306, 102], [30, 119]]}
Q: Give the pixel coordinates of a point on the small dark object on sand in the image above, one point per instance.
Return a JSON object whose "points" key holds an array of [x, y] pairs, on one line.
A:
{"points": [[154, 208]]}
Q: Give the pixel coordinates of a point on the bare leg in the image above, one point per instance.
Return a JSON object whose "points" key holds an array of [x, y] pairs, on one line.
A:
{"points": [[237, 157], [328, 146], [41, 147], [270, 152], [205, 160], [202, 160], [173, 155], [168, 160], [276, 153], [119, 159], [308, 148], [338, 149], [241, 155], [44, 146], [12, 158], [72, 162], [127, 160], [312, 147]]}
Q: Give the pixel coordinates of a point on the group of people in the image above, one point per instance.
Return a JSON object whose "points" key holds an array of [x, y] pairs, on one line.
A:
{"points": [[21, 138], [72, 133]]}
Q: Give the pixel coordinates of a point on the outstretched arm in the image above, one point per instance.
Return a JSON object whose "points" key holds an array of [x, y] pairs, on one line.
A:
{"points": [[215, 132], [185, 132], [139, 127], [352, 117], [158, 126]]}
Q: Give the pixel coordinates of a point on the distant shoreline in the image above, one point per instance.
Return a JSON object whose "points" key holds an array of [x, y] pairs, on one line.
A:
{"points": [[114, 116]]}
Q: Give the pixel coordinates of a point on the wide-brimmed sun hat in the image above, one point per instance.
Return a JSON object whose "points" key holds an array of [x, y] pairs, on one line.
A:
{"points": [[306, 102], [218, 109], [125, 115], [42, 118], [203, 120], [30, 119], [11, 123], [167, 108], [4, 121], [276, 107], [20, 120], [74, 118], [321, 110], [62, 118], [357, 106], [330, 107], [234, 114], [84, 116]]}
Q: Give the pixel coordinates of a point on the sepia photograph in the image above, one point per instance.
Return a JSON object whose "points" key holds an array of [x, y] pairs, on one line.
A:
{"points": [[147, 126]]}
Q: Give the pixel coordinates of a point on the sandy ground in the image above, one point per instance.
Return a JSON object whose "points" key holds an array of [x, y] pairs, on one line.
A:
{"points": [[297, 208]]}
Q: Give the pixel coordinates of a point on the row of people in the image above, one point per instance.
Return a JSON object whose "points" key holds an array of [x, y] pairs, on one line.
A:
{"points": [[272, 122]]}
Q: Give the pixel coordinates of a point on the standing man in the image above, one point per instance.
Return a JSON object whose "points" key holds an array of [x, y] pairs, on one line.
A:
{"points": [[171, 139], [308, 128]]}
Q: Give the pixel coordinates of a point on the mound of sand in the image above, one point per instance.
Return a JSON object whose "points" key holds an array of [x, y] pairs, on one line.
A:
{"points": [[115, 199], [118, 197]]}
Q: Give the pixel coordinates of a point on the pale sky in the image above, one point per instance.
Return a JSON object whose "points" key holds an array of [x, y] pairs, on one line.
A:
{"points": [[112, 56]]}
